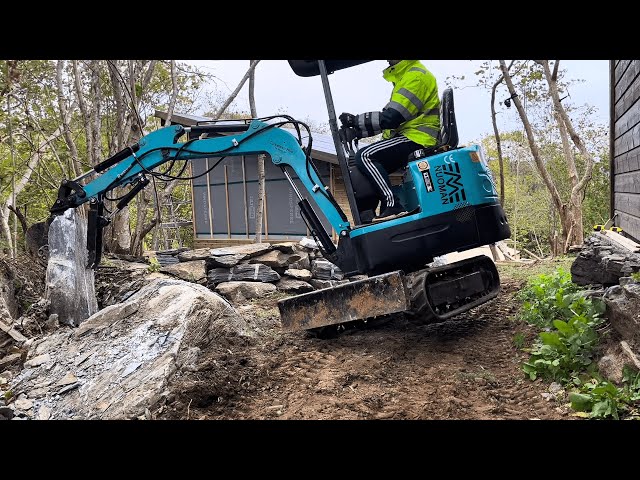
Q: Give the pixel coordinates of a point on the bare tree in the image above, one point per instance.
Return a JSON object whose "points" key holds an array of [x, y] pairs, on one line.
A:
{"points": [[261, 174], [570, 212], [21, 182], [234, 94]]}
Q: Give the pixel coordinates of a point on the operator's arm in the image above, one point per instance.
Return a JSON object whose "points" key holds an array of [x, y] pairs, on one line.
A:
{"points": [[372, 123], [405, 105]]}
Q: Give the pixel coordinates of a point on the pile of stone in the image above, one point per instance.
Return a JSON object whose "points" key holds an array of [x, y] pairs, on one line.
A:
{"points": [[249, 271], [610, 268]]}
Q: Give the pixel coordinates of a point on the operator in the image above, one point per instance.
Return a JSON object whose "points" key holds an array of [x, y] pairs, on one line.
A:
{"points": [[410, 121]]}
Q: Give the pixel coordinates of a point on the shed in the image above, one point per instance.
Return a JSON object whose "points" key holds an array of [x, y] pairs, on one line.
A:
{"points": [[223, 201], [625, 145]]}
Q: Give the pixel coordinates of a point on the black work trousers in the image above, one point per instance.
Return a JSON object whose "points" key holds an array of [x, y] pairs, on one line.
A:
{"points": [[377, 160]]}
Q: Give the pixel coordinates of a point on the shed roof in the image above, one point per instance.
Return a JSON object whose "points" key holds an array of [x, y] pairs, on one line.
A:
{"points": [[322, 148]]}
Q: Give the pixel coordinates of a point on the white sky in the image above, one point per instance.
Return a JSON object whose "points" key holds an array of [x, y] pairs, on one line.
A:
{"points": [[361, 88]]}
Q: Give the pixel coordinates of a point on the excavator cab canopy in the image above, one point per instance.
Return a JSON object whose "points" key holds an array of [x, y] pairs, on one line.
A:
{"points": [[309, 68]]}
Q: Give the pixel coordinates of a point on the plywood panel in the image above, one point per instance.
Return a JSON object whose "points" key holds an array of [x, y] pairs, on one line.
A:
{"points": [[628, 183], [629, 224], [628, 203]]}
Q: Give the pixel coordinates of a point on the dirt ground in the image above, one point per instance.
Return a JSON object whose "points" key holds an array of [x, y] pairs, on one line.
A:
{"points": [[468, 368]]}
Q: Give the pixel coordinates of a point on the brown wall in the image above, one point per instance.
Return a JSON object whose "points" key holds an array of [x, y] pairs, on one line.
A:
{"points": [[625, 144]]}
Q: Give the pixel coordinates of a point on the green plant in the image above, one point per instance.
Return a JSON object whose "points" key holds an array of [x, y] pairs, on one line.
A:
{"points": [[547, 297], [560, 353], [568, 319], [154, 264], [518, 340], [599, 398], [602, 399], [636, 276]]}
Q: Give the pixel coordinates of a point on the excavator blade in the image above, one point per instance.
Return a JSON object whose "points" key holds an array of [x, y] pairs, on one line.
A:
{"points": [[359, 300]]}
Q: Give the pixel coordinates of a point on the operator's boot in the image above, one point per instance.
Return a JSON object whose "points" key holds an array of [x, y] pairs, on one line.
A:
{"points": [[367, 216], [389, 213]]}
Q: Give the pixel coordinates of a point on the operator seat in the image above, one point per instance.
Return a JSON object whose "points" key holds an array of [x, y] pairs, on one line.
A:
{"points": [[448, 136]]}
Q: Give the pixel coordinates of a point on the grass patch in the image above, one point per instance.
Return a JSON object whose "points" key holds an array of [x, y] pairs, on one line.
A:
{"points": [[521, 271]]}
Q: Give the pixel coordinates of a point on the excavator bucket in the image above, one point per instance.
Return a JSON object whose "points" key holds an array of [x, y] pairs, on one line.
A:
{"points": [[358, 300]]}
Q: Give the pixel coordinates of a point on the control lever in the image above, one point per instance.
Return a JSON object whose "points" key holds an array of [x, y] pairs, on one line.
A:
{"points": [[349, 140]]}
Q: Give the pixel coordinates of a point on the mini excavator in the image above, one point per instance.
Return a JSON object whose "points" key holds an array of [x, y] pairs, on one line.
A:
{"points": [[448, 191]]}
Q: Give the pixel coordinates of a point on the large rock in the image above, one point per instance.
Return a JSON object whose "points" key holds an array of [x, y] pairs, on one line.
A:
{"points": [[276, 259], [250, 250], [309, 243], [239, 292], [293, 286], [120, 362], [603, 261], [256, 273], [623, 310], [304, 263], [194, 271], [325, 270], [287, 247], [69, 283], [299, 274], [118, 280], [320, 284], [226, 261], [197, 254]]}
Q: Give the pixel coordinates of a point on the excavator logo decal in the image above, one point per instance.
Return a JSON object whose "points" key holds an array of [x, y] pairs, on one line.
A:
{"points": [[449, 182]]}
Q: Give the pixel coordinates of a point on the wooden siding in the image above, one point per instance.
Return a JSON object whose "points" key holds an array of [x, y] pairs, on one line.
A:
{"points": [[625, 144]]}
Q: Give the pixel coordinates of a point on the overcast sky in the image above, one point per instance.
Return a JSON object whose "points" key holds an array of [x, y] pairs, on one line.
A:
{"points": [[362, 88]]}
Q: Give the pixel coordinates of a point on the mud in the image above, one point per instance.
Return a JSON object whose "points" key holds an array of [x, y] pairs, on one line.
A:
{"points": [[467, 368]]}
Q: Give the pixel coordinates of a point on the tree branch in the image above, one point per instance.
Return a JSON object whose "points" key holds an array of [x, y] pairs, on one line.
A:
{"points": [[497, 134], [535, 151], [20, 215], [577, 141], [64, 114], [234, 94], [83, 108]]}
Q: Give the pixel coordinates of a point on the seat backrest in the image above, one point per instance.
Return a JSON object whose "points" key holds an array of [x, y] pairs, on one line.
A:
{"points": [[448, 128], [448, 136]]}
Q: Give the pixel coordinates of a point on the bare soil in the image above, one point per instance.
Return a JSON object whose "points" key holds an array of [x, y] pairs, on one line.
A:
{"points": [[467, 368]]}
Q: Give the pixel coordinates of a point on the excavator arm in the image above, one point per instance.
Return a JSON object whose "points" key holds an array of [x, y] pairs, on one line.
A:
{"points": [[134, 165]]}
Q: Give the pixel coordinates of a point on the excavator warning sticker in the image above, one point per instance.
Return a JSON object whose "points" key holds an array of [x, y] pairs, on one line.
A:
{"points": [[428, 182], [449, 182]]}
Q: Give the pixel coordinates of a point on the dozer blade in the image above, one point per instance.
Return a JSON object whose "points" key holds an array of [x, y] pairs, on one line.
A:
{"points": [[358, 300]]}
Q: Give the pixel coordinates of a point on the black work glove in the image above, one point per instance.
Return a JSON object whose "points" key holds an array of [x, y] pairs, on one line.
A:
{"points": [[348, 119]]}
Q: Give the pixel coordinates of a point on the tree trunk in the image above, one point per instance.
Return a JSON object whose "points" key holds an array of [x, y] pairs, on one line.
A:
{"points": [[13, 243], [77, 76], [20, 184], [497, 134], [21, 217], [142, 228], [96, 120], [4, 227], [76, 168], [566, 129], [261, 175]]}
